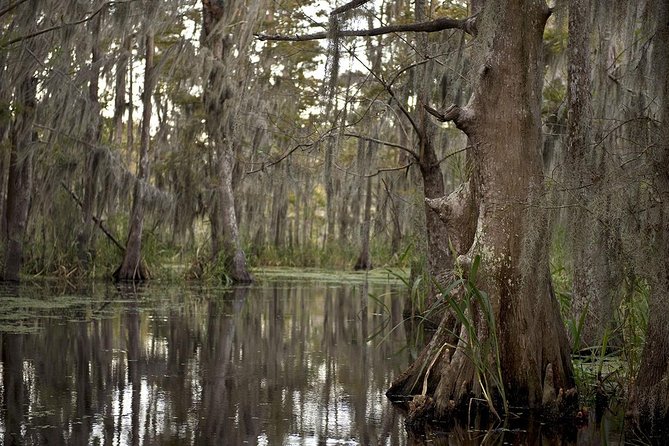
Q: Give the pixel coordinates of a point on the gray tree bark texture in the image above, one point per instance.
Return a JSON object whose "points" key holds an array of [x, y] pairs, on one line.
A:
{"points": [[650, 395], [133, 267], [226, 240], [595, 272], [20, 178], [93, 133], [503, 123]]}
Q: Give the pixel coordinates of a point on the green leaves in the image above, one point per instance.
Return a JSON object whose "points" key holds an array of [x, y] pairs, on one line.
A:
{"points": [[479, 343]]}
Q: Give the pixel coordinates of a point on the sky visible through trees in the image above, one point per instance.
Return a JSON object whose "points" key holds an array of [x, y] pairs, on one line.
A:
{"points": [[511, 155]]}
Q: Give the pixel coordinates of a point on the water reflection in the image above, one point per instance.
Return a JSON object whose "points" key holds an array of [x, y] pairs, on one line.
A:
{"points": [[276, 364]]}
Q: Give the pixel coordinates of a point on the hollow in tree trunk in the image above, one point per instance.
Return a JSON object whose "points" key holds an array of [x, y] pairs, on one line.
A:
{"points": [[503, 123]]}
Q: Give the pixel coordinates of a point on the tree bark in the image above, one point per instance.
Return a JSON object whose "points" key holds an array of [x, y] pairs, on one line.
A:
{"points": [[92, 156], [5, 122], [364, 261], [650, 393], [20, 177], [133, 267], [120, 91], [503, 123], [215, 97], [589, 238], [439, 257]]}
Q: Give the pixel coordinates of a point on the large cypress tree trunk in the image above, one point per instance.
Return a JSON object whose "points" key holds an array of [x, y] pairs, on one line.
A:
{"points": [[20, 178], [133, 267], [528, 343], [227, 238]]}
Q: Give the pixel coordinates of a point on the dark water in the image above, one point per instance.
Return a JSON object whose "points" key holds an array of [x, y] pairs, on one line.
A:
{"points": [[279, 363]]}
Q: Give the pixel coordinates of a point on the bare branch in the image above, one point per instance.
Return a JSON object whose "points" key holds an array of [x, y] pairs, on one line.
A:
{"points": [[63, 25], [97, 220], [385, 143], [378, 172], [285, 155], [448, 155], [440, 24], [389, 169], [348, 6], [450, 114], [11, 6]]}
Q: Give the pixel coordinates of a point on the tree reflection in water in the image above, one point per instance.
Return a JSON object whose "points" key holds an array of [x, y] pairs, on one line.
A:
{"points": [[281, 363]]}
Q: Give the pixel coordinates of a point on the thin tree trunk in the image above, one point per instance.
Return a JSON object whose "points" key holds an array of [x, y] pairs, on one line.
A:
{"points": [[20, 177], [279, 210], [439, 257], [364, 261], [5, 96], [133, 267], [92, 156], [120, 105], [130, 130]]}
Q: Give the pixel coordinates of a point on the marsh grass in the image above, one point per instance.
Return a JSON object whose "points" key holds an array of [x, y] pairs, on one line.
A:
{"points": [[482, 350], [603, 371]]}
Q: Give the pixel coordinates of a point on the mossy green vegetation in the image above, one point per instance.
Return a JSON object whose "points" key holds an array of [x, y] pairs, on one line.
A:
{"points": [[393, 275]]}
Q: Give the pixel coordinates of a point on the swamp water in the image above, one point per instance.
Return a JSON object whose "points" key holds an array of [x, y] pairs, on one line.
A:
{"points": [[283, 362]]}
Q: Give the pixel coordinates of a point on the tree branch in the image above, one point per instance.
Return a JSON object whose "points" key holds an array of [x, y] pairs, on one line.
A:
{"points": [[62, 25], [385, 143], [100, 224], [9, 7], [348, 6], [440, 24], [285, 155], [450, 114], [461, 116]]}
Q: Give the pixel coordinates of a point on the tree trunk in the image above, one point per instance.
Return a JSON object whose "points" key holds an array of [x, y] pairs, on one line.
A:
{"points": [[120, 88], [650, 394], [528, 363], [5, 97], [92, 139], [364, 261], [590, 240], [217, 93], [279, 209], [133, 267], [439, 256], [20, 179]]}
